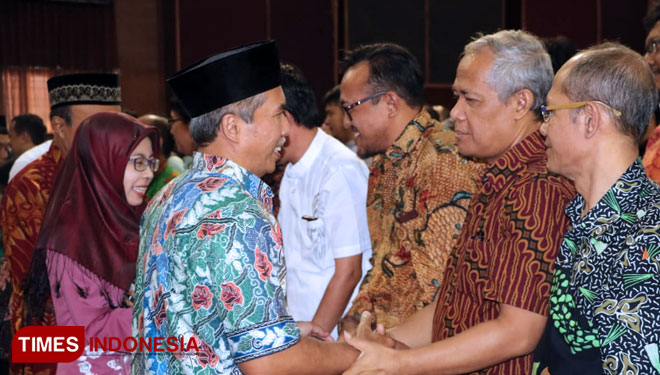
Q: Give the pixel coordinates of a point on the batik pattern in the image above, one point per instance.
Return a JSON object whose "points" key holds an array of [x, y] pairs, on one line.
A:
{"points": [[606, 285], [418, 194], [21, 213], [211, 267], [505, 253]]}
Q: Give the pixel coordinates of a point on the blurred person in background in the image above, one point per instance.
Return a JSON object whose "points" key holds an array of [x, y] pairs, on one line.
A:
{"points": [[333, 123], [25, 132], [165, 172], [651, 153], [179, 122]]}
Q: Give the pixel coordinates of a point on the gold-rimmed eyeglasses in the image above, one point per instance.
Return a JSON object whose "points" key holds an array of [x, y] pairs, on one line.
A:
{"points": [[546, 110]]}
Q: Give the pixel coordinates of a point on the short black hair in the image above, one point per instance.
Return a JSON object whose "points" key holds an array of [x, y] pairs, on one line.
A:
{"points": [[391, 67], [332, 96], [164, 132], [300, 98], [176, 106], [652, 17], [32, 124], [560, 49]]}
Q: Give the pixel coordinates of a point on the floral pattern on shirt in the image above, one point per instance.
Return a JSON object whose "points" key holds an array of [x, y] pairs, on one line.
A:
{"points": [[211, 267]]}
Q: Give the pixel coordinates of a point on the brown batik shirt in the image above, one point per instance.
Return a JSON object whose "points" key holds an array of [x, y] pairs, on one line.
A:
{"points": [[417, 199]]}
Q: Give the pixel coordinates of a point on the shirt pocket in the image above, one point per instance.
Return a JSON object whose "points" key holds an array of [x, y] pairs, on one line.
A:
{"points": [[316, 241]]}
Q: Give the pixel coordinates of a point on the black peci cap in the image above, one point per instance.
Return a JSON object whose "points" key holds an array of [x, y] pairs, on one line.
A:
{"points": [[227, 77], [84, 88]]}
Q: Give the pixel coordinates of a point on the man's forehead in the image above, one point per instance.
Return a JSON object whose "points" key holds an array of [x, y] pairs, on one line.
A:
{"points": [[473, 69], [355, 78], [275, 100]]}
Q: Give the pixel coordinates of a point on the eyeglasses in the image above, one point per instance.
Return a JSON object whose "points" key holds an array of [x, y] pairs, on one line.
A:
{"points": [[171, 121], [347, 108], [140, 163], [652, 47], [546, 111]]}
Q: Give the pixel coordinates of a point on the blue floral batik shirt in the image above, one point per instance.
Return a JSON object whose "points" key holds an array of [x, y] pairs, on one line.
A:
{"points": [[211, 268]]}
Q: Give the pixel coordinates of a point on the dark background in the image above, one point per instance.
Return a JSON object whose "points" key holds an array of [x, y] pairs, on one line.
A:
{"points": [[148, 40]]}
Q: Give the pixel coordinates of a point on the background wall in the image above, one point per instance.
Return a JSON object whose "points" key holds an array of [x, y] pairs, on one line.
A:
{"points": [[148, 40]]}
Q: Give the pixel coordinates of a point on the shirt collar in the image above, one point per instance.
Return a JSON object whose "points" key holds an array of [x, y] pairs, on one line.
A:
{"points": [[529, 150], [55, 153], [258, 189], [303, 165], [621, 201], [410, 136]]}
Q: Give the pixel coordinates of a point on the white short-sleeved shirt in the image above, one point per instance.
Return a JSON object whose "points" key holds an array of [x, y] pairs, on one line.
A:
{"points": [[329, 186]]}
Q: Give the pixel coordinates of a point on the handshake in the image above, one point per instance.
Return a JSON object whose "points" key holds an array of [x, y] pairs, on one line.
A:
{"points": [[376, 346]]}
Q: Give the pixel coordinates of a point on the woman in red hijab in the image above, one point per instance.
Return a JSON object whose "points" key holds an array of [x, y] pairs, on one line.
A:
{"points": [[89, 237]]}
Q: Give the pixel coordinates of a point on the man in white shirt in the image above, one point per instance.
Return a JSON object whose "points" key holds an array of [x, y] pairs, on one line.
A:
{"points": [[323, 212]]}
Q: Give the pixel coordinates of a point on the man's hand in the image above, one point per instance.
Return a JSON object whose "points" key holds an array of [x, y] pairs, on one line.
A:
{"points": [[349, 324], [374, 358], [314, 330], [364, 332]]}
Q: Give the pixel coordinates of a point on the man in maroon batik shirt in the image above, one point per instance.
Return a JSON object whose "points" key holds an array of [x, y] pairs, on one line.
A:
{"points": [[493, 303]]}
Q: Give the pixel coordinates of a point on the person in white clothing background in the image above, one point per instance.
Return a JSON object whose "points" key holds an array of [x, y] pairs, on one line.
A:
{"points": [[323, 212]]}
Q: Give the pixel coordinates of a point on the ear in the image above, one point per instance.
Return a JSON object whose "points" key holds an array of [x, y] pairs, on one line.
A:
{"points": [[230, 127], [58, 124], [392, 103], [523, 100], [592, 120], [289, 117]]}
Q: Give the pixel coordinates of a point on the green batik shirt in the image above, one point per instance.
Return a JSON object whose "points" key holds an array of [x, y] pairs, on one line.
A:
{"points": [[211, 268], [605, 297]]}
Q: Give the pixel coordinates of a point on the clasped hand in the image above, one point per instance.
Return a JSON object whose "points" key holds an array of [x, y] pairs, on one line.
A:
{"points": [[377, 349]]}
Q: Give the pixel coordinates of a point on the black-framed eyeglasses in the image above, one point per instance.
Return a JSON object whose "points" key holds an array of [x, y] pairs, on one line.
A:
{"points": [[171, 121], [140, 163], [652, 47], [347, 108], [546, 110]]}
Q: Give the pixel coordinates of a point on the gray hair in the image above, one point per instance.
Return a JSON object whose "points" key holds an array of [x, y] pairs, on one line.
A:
{"points": [[204, 128], [521, 62], [619, 77]]}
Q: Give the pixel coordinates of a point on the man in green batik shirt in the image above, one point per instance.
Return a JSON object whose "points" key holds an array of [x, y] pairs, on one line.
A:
{"points": [[211, 264], [605, 302]]}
